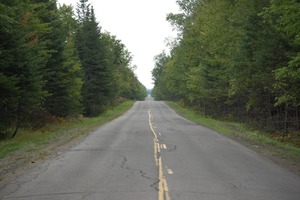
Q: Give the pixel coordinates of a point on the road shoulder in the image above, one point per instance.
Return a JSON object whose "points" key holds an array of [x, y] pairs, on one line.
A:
{"points": [[287, 156]]}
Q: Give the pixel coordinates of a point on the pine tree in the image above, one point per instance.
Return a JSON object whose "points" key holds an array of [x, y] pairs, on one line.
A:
{"points": [[21, 59], [72, 75], [96, 87], [55, 72]]}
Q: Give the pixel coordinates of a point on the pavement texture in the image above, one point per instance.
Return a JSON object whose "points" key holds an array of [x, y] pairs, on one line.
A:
{"points": [[152, 153]]}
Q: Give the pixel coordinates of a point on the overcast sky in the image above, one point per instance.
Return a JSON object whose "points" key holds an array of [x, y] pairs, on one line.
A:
{"points": [[141, 26]]}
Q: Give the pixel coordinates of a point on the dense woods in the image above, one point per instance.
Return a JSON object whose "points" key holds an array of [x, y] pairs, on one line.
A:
{"points": [[56, 62], [236, 60]]}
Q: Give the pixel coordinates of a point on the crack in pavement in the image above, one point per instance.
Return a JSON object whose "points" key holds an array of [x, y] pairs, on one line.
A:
{"points": [[16, 185], [172, 147], [139, 171], [45, 195]]}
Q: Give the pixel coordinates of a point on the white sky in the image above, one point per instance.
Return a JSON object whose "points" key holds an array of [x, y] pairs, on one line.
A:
{"points": [[141, 26]]}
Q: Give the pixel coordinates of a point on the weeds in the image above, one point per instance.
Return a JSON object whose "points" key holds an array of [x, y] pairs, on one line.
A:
{"points": [[282, 148], [59, 131]]}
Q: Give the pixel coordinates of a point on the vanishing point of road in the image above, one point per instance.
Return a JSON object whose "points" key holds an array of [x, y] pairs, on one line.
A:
{"points": [[151, 153]]}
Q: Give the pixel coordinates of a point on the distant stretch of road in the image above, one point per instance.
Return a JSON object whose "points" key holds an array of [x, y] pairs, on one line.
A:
{"points": [[151, 153]]}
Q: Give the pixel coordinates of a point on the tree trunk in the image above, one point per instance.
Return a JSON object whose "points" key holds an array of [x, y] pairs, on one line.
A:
{"points": [[285, 118], [297, 120], [18, 119]]}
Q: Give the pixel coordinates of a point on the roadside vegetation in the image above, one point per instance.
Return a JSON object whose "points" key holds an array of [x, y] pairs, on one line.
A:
{"points": [[32, 146], [235, 60], [58, 64], [282, 149], [61, 130]]}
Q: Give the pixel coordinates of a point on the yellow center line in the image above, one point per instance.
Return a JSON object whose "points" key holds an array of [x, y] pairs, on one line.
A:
{"points": [[155, 152], [165, 185], [163, 190], [151, 126]]}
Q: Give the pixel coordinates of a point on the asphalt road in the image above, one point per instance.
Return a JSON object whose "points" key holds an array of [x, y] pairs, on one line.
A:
{"points": [[152, 153]]}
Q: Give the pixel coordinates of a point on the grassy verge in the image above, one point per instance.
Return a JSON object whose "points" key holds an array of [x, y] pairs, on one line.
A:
{"points": [[29, 147], [282, 153], [60, 132]]}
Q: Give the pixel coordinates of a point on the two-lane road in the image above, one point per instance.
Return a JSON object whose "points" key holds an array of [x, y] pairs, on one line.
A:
{"points": [[152, 153]]}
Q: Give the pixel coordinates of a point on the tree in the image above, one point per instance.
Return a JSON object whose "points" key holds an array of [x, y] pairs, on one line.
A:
{"points": [[55, 72], [90, 49], [284, 16], [118, 60], [72, 74], [236, 59], [52, 65], [22, 57]]}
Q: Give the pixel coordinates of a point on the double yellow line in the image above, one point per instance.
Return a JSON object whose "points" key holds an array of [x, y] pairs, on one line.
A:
{"points": [[163, 190]]}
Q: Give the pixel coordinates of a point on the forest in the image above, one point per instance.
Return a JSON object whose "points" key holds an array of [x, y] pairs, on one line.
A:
{"points": [[55, 61], [236, 60]]}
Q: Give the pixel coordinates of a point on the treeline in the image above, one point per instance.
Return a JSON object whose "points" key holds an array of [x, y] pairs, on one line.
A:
{"points": [[235, 59], [54, 63]]}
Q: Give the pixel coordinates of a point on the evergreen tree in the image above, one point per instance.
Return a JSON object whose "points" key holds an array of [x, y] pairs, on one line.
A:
{"points": [[55, 72], [235, 58], [52, 64], [22, 57], [72, 75], [96, 87], [124, 83]]}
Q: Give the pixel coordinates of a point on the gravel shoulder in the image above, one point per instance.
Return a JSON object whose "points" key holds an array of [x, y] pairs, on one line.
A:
{"points": [[277, 154], [287, 156], [20, 161]]}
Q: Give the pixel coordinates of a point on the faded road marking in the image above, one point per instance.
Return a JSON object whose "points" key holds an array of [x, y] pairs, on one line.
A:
{"points": [[170, 171], [163, 190]]}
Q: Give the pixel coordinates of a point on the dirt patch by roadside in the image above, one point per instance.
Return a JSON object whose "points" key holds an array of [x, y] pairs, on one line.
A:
{"points": [[279, 155], [20, 161], [276, 154]]}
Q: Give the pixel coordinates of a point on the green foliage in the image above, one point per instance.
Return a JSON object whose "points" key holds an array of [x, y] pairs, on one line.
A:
{"points": [[285, 149], [54, 65], [158, 73], [106, 65], [235, 59], [118, 58], [71, 69], [91, 54], [56, 72], [61, 131], [284, 17], [22, 57]]}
